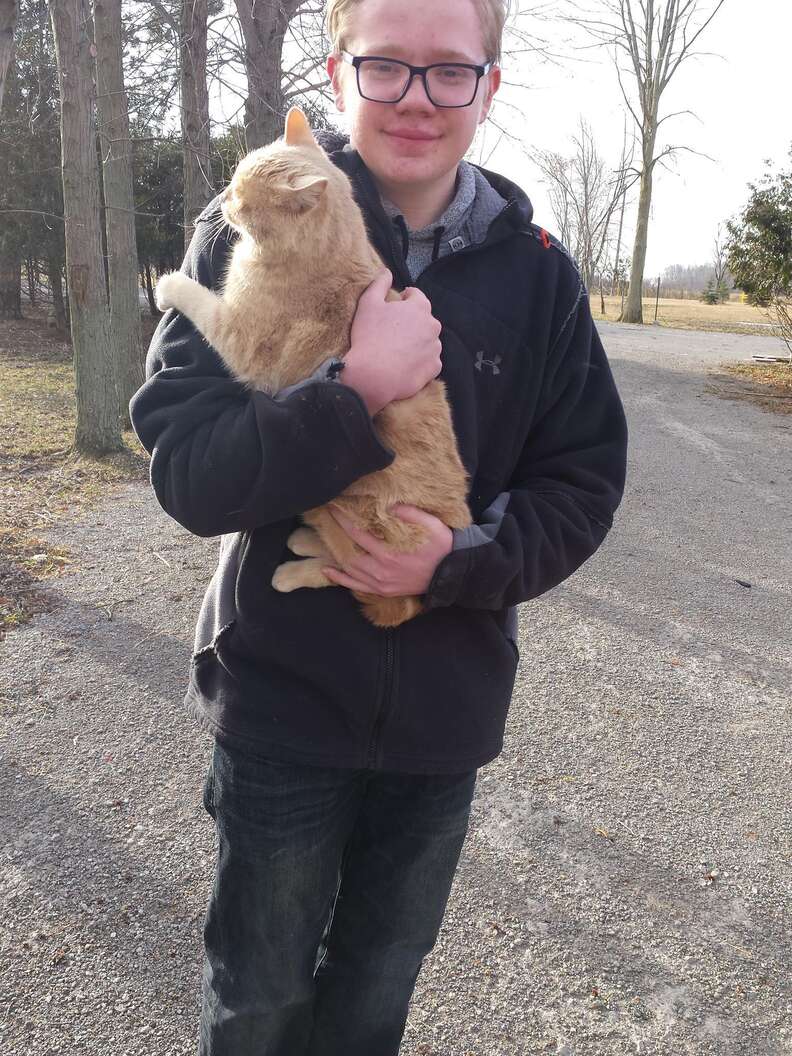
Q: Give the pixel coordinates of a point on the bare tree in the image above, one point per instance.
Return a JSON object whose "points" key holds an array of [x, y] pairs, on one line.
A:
{"points": [[198, 186], [98, 424], [116, 151], [720, 253], [264, 24], [617, 257], [584, 197], [650, 40], [9, 13]]}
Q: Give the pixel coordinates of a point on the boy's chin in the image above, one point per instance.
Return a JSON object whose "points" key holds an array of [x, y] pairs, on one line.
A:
{"points": [[400, 168]]}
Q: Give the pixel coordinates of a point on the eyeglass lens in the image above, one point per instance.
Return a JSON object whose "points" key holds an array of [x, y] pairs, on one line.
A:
{"points": [[385, 82]]}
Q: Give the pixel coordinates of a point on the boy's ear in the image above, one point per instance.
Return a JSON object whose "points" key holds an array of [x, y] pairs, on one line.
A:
{"points": [[493, 84], [333, 67], [298, 131]]}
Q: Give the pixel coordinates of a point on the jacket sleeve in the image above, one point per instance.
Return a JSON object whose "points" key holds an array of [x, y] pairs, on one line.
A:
{"points": [[562, 496], [225, 458]]}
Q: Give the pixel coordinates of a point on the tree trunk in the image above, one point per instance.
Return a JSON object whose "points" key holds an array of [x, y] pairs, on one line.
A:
{"points": [[10, 284], [198, 186], [150, 291], [264, 24], [122, 262], [30, 268], [98, 425], [633, 310], [9, 12], [56, 287]]}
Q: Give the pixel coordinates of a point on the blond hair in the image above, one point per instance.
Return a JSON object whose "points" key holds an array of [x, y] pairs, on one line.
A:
{"points": [[492, 15]]}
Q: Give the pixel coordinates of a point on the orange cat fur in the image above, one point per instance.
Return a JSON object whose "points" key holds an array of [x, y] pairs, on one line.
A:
{"points": [[295, 275]]}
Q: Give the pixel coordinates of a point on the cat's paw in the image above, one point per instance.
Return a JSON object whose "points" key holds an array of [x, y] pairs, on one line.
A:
{"points": [[295, 574], [305, 542], [287, 577], [169, 289]]}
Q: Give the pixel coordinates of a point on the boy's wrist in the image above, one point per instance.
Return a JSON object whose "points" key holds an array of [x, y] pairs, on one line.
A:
{"points": [[362, 385]]}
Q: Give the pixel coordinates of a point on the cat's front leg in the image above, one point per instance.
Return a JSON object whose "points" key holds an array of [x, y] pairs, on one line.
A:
{"points": [[295, 574], [202, 306]]}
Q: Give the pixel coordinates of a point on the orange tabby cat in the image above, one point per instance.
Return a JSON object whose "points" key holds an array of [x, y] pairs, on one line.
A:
{"points": [[295, 275]]}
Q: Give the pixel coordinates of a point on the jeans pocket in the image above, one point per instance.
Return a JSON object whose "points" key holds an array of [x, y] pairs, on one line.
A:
{"points": [[209, 790]]}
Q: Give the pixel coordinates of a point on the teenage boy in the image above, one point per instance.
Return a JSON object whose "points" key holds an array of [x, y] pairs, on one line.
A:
{"points": [[345, 757]]}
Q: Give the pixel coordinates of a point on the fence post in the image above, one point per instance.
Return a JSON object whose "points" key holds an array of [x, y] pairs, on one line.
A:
{"points": [[657, 298]]}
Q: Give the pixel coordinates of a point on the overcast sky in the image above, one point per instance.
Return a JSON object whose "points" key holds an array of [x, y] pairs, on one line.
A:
{"points": [[741, 96]]}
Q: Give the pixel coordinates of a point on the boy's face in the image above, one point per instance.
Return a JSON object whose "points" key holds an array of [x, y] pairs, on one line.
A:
{"points": [[412, 142]]}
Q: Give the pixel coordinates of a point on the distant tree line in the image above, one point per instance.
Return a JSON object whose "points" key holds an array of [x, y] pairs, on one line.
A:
{"points": [[693, 280]]}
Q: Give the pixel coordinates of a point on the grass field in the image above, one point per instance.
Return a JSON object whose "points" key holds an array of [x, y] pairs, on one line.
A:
{"points": [[732, 317]]}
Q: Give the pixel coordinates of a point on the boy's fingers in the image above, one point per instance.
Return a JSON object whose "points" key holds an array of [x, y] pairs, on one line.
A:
{"points": [[343, 580], [364, 539], [411, 293], [413, 514], [381, 284]]}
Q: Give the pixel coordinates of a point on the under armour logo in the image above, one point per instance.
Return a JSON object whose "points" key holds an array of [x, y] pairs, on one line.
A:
{"points": [[481, 362]]}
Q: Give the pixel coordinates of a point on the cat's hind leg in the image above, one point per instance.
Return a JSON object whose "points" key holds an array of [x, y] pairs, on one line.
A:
{"points": [[295, 574], [305, 542]]}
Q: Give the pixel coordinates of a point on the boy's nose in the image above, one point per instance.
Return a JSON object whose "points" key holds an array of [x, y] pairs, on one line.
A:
{"points": [[416, 95]]}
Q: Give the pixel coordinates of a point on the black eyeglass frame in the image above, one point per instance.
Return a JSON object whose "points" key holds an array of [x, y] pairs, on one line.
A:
{"points": [[417, 71]]}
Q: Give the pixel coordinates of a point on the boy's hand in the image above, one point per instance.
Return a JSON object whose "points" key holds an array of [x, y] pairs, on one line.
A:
{"points": [[395, 345], [387, 572]]}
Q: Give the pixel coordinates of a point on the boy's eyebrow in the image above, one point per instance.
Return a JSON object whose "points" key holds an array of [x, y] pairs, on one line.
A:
{"points": [[442, 55]]}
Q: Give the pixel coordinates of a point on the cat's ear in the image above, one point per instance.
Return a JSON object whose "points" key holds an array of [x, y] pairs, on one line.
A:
{"points": [[298, 131], [303, 193]]}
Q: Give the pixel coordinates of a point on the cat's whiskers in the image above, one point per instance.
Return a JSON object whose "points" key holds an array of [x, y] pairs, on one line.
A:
{"points": [[215, 231]]}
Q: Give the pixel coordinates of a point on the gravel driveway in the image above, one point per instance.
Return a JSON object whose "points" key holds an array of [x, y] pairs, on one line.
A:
{"points": [[626, 885]]}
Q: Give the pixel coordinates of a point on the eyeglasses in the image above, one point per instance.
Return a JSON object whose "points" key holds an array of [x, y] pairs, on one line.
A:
{"points": [[447, 84]]}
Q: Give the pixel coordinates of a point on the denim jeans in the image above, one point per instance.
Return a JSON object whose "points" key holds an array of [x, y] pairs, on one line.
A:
{"points": [[329, 891]]}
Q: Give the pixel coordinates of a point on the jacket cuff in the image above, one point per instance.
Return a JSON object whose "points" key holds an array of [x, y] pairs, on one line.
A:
{"points": [[358, 424], [322, 373], [449, 576]]}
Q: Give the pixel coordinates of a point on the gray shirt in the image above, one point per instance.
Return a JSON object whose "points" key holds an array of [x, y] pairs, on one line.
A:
{"points": [[465, 221]]}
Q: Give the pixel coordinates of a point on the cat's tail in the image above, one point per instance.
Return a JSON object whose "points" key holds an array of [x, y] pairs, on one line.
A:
{"points": [[389, 612]]}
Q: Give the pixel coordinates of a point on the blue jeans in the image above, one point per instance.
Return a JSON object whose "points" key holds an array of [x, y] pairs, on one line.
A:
{"points": [[329, 891]]}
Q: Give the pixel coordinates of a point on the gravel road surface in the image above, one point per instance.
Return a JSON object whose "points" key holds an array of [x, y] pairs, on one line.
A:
{"points": [[626, 885]]}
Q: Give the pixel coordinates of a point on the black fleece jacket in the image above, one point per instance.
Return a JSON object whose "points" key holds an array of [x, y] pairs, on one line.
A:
{"points": [[304, 677]]}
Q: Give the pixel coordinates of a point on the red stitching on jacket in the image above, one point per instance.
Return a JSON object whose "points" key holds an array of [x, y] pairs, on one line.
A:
{"points": [[545, 238]]}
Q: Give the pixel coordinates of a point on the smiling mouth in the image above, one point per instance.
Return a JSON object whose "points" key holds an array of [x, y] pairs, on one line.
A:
{"points": [[414, 137]]}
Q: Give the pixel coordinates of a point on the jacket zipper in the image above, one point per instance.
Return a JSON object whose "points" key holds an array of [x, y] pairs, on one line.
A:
{"points": [[398, 257], [387, 692]]}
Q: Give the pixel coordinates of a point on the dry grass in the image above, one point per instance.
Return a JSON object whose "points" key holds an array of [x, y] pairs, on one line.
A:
{"points": [[768, 385], [41, 480], [732, 317]]}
